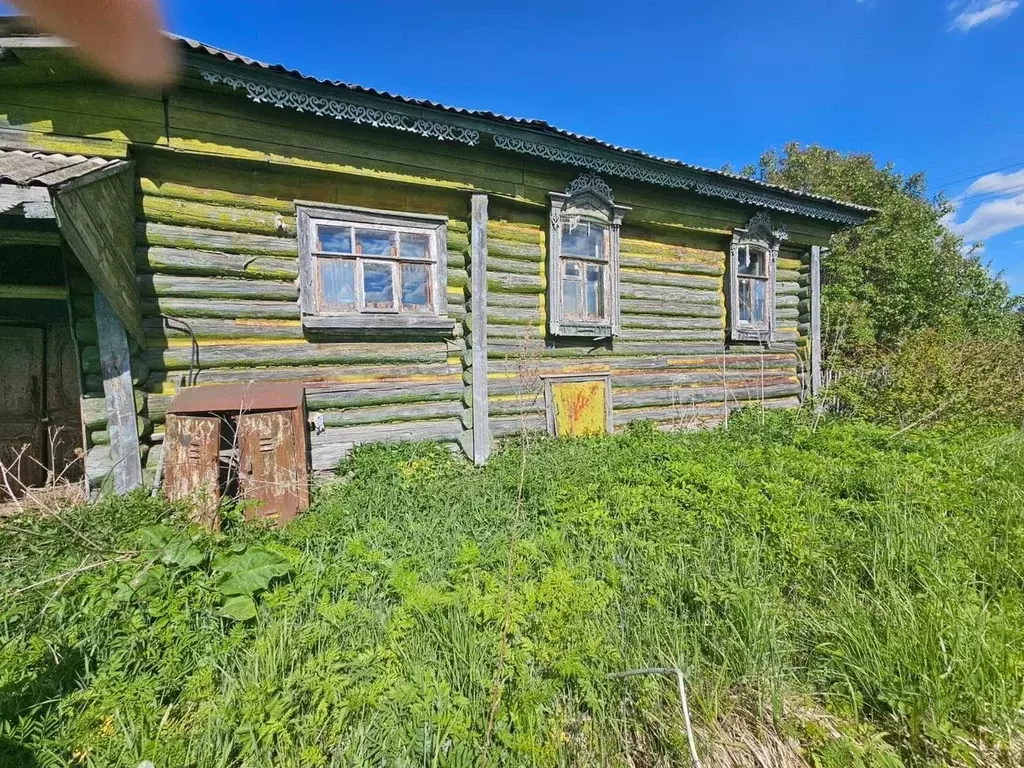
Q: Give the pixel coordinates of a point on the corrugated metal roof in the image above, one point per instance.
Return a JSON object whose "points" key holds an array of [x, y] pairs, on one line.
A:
{"points": [[38, 169], [538, 125]]}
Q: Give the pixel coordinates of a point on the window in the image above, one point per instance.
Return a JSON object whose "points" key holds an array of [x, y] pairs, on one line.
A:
{"points": [[583, 260], [370, 270], [752, 260]]}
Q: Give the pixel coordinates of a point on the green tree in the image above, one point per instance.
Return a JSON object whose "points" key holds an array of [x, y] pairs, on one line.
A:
{"points": [[904, 270]]}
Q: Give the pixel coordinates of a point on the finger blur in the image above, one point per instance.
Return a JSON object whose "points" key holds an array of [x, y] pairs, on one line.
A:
{"points": [[121, 38]]}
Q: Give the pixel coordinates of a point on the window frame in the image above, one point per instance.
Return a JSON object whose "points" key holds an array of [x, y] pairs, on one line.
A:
{"points": [[309, 215], [759, 234], [586, 199]]}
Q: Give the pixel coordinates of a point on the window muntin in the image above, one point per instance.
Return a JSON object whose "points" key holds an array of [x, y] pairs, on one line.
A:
{"points": [[373, 269], [752, 284], [584, 267]]}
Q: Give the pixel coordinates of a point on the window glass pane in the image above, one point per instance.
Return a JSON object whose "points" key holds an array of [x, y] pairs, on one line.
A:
{"points": [[378, 287], [334, 239], [414, 246], [415, 286], [572, 290], [373, 242], [585, 239], [337, 284], [752, 261], [753, 301], [595, 290]]}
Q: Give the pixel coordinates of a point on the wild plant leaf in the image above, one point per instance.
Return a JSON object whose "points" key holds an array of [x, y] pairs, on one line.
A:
{"points": [[248, 572], [146, 583], [239, 608], [170, 546]]}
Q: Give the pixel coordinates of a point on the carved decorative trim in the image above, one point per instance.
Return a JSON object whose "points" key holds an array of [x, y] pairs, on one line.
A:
{"points": [[675, 179], [288, 98], [761, 224], [588, 182]]}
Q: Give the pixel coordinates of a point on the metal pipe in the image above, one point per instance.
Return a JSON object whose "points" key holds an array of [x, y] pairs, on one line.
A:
{"points": [[682, 699]]}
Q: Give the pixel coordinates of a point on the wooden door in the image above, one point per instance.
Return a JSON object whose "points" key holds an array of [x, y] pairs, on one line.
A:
{"points": [[22, 408], [267, 469]]}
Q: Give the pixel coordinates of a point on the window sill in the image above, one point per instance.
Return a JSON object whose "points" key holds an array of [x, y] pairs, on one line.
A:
{"points": [[744, 334], [584, 331], [440, 325]]}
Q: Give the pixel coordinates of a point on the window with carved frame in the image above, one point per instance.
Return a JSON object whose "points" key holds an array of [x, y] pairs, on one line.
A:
{"points": [[753, 255], [583, 260], [372, 269]]}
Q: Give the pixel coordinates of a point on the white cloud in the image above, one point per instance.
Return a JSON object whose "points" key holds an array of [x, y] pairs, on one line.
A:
{"points": [[991, 218], [997, 183], [971, 13]]}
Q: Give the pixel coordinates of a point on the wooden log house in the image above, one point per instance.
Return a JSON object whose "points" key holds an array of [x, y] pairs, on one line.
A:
{"points": [[426, 272]]}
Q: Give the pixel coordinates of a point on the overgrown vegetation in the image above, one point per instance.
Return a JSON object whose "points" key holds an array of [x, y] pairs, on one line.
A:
{"points": [[854, 591], [904, 297]]}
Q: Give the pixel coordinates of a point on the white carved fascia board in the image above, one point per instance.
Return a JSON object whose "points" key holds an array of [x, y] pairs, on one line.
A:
{"points": [[306, 100], [675, 179], [436, 122]]}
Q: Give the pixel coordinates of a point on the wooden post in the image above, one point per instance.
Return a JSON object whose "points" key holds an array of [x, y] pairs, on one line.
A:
{"points": [[815, 320], [478, 264], [115, 364]]}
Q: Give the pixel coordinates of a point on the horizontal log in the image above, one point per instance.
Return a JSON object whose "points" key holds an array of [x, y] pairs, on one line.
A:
{"points": [[161, 188], [496, 265], [457, 278], [654, 248], [512, 316], [683, 396], [671, 334], [628, 260], [680, 415], [787, 275], [384, 414], [221, 217], [650, 277], [530, 403], [785, 302], [177, 261], [507, 283], [669, 309], [156, 234], [670, 323], [269, 354], [336, 443], [787, 289], [529, 253], [513, 231], [206, 328], [219, 308], [384, 392], [215, 287], [516, 300], [502, 426], [312, 376], [670, 295]]}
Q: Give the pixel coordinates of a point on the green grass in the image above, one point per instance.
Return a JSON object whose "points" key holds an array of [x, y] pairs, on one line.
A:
{"points": [[858, 593]]}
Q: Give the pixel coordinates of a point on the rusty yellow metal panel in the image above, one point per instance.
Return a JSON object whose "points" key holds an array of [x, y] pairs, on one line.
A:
{"points": [[579, 407]]}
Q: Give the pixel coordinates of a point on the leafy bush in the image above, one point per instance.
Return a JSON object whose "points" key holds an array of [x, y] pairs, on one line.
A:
{"points": [[858, 593], [937, 375]]}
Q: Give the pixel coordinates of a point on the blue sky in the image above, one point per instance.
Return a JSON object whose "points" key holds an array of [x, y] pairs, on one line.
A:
{"points": [[933, 85]]}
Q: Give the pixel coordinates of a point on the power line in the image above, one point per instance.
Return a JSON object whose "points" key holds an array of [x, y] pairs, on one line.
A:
{"points": [[944, 183]]}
